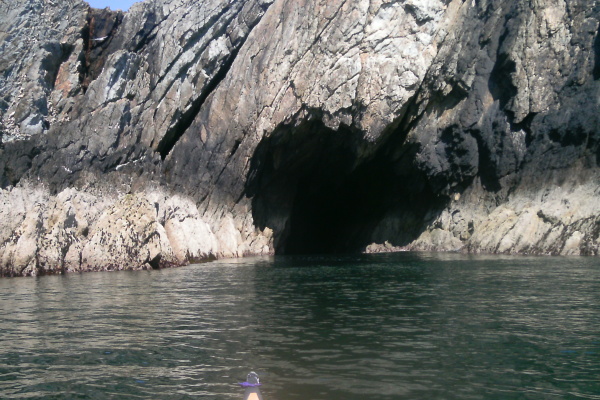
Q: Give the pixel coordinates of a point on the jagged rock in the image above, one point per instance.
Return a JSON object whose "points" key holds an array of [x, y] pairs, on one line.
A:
{"points": [[191, 238], [127, 235], [45, 230], [385, 247], [295, 126], [97, 229], [37, 37]]}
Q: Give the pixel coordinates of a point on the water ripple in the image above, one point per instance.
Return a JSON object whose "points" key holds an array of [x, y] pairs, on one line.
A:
{"points": [[383, 327]]}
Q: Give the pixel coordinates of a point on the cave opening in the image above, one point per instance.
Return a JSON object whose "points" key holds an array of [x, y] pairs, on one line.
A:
{"points": [[333, 210], [324, 191]]}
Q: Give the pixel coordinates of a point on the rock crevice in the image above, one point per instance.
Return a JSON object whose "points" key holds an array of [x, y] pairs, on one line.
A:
{"points": [[181, 130]]}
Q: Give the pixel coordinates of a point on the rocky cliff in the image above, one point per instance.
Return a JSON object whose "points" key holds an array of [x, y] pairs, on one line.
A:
{"points": [[183, 130]]}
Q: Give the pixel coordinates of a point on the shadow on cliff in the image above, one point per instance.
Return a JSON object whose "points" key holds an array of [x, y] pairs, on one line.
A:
{"points": [[327, 191]]}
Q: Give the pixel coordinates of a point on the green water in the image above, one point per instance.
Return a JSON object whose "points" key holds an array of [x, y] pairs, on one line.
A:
{"points": [[403, 326]]}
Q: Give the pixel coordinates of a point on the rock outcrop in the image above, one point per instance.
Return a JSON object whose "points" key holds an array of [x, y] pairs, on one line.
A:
{"points": [[181, 130]]}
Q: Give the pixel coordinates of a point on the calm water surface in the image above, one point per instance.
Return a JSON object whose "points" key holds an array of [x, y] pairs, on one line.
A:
{"points": [[383, 327]]}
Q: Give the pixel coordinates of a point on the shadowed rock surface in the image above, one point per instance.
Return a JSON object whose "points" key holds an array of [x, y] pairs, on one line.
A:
{"points": [[182, 131]]}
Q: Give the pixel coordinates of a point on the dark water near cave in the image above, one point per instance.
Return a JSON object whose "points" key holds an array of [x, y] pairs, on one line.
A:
{"points": [[403, 326]]}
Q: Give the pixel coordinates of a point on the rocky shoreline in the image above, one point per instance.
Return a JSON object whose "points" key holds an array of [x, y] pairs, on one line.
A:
{"points": [[182, 131]]}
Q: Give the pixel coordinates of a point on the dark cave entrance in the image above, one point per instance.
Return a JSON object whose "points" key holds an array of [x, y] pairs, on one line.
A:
{"points": [[315, 226], [324, 191], [332, 212]]}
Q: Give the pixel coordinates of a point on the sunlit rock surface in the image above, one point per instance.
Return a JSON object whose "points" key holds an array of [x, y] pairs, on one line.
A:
{"points": [[182, 131]]}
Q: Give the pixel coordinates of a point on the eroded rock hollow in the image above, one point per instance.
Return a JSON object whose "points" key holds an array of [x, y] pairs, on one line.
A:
{"points": [[182, 130]]}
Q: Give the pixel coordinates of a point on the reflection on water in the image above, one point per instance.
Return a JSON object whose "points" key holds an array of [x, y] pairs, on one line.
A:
{"points": [[403, 326]]}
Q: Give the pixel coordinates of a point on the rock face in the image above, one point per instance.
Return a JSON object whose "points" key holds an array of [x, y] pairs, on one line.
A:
{"points": [[182, 130]]}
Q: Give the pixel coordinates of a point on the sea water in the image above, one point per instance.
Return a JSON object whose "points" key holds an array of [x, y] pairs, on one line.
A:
{"points": [[382, 327]]}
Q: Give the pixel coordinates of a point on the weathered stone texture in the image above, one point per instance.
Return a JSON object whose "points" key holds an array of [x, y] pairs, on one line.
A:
{"points": [[36, 38], [183, 130]]}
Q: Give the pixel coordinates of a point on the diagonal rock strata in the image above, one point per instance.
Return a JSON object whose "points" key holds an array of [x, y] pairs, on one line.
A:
{"points": [[295, 126]]}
